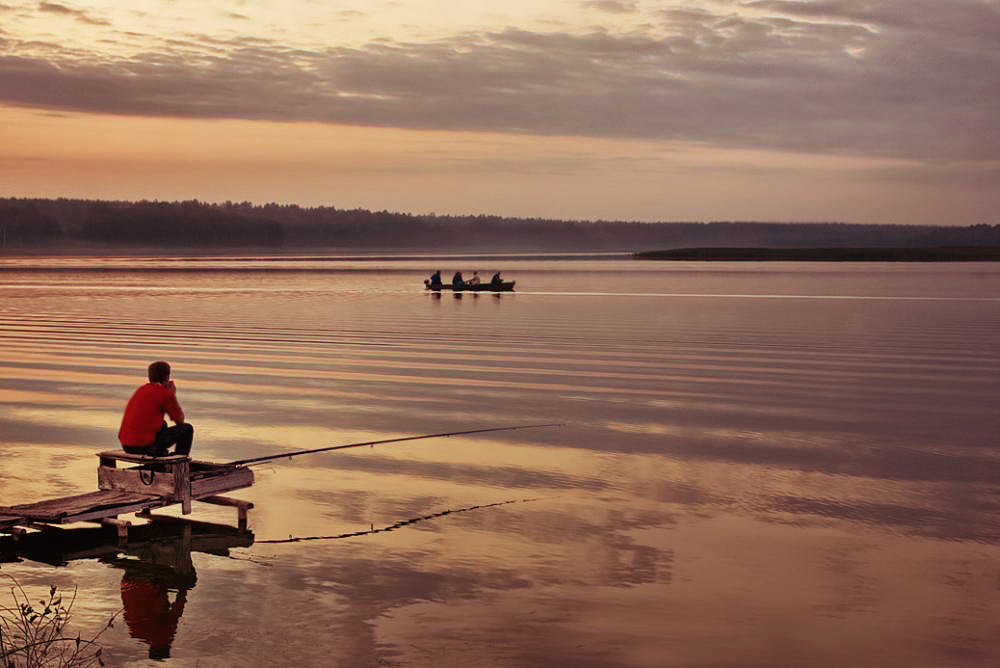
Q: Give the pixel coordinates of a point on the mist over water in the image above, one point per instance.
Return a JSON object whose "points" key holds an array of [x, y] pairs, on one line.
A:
{"points": [[761, 464]]}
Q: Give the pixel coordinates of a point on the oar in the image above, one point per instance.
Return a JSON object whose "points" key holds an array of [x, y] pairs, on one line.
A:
{"points": [[296, 453]]}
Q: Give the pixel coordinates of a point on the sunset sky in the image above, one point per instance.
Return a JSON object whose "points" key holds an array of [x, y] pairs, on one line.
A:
{"points": [[852, 110]]}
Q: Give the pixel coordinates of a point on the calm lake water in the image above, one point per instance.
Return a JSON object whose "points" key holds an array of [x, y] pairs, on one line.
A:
{"points": [[761, 464]]}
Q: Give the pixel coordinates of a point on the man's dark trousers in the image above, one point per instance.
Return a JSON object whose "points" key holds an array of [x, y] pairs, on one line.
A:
{"points": [[182, 434]]}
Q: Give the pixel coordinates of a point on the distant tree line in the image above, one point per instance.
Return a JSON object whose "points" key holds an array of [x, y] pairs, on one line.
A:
{"points": [[53, 224], [177, 225], [21, 221], [827, 254]]}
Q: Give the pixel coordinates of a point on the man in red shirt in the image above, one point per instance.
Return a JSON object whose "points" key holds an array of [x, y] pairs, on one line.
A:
{"points": [[143, 430]]}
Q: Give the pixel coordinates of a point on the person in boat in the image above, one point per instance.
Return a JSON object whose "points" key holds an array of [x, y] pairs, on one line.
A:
{"points": [[496, 281], [436, 278], [143, 430], [475, 278], [457, 282]]}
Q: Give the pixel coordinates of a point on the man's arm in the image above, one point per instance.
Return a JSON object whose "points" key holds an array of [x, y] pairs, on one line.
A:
{"points": [[172, 407]]}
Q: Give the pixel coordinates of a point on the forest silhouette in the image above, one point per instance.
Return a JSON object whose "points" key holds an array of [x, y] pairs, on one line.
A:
{"points": [[68, 225]]}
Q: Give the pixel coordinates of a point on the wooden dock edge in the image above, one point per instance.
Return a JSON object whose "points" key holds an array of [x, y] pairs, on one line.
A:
{"points": [[156, 482], [9, 525], [241, 507], [122, 526]]}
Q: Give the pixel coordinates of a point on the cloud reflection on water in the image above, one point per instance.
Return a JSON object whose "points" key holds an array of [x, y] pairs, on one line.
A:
{"points": [[761, 472]]}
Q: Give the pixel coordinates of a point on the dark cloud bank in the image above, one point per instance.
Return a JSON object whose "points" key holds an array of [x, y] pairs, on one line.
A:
{"points": [[909, 78]]}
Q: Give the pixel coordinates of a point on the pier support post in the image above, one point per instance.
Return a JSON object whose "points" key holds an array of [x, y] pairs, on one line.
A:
{"points": [[241, 507], [16, 532], [121, 525], [182, 484]]}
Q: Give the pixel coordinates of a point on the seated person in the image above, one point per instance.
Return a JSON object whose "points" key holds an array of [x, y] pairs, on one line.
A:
{"points": [[143, 430], [475, 278], [436, 278], [457, 281], [496, 280]]}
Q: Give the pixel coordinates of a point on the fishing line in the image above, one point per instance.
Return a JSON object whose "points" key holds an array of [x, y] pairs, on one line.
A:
{"points": [[392, 527]]}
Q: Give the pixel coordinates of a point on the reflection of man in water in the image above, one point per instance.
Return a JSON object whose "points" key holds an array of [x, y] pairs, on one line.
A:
{"points": [[162, 566], [149, 614]]}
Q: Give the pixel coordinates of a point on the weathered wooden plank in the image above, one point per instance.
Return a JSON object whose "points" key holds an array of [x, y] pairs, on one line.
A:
{"points": [[53, 505], [182, 484], [173, 479], [241, 507], [227, 501], [197, 465], [54, 510], [121, 525], [235, 478], [8, 525], [127, 488], [113, 511], [138, 481], [121, 455]]}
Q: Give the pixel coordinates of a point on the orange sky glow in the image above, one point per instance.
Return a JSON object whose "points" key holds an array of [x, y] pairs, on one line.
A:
{"points": [[601, 109]]}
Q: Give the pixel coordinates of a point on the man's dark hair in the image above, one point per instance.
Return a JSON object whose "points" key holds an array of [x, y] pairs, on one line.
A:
{"points": [[159, 372]]}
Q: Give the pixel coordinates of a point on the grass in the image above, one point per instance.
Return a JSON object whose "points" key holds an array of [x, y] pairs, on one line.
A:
{"points": [[34, 635]]}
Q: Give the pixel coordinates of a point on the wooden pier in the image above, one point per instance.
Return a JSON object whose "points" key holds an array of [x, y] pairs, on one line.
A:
{"points": [[152, 482]]}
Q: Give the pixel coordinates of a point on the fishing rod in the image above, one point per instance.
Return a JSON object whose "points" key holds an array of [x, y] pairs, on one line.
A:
{"points": [[296, 453]]}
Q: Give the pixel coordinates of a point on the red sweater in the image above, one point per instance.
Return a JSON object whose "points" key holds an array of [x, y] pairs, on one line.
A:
{"points": [[144, 414]]}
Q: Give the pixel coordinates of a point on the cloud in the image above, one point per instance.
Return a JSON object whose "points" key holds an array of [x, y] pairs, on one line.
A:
{"points": [[912, 81], [55, 8], [940, 520], [611, 6], [79, 15], [965, 17]]}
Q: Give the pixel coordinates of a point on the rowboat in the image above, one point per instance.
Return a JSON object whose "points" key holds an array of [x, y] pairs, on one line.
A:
{"points": [[506, 286]]}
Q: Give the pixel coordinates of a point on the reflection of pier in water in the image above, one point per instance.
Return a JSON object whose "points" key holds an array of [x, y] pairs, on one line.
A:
{"points": [[155, 558]]}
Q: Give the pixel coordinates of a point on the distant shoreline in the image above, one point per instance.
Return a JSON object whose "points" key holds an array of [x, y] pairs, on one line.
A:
{"points": [[90, 227], [938, 254]]}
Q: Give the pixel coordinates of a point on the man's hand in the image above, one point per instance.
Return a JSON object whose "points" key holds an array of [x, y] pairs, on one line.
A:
{"points": [[169, 384]]}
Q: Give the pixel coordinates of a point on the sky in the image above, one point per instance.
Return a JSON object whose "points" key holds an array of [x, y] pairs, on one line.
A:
{"points": [[781, 110]]}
